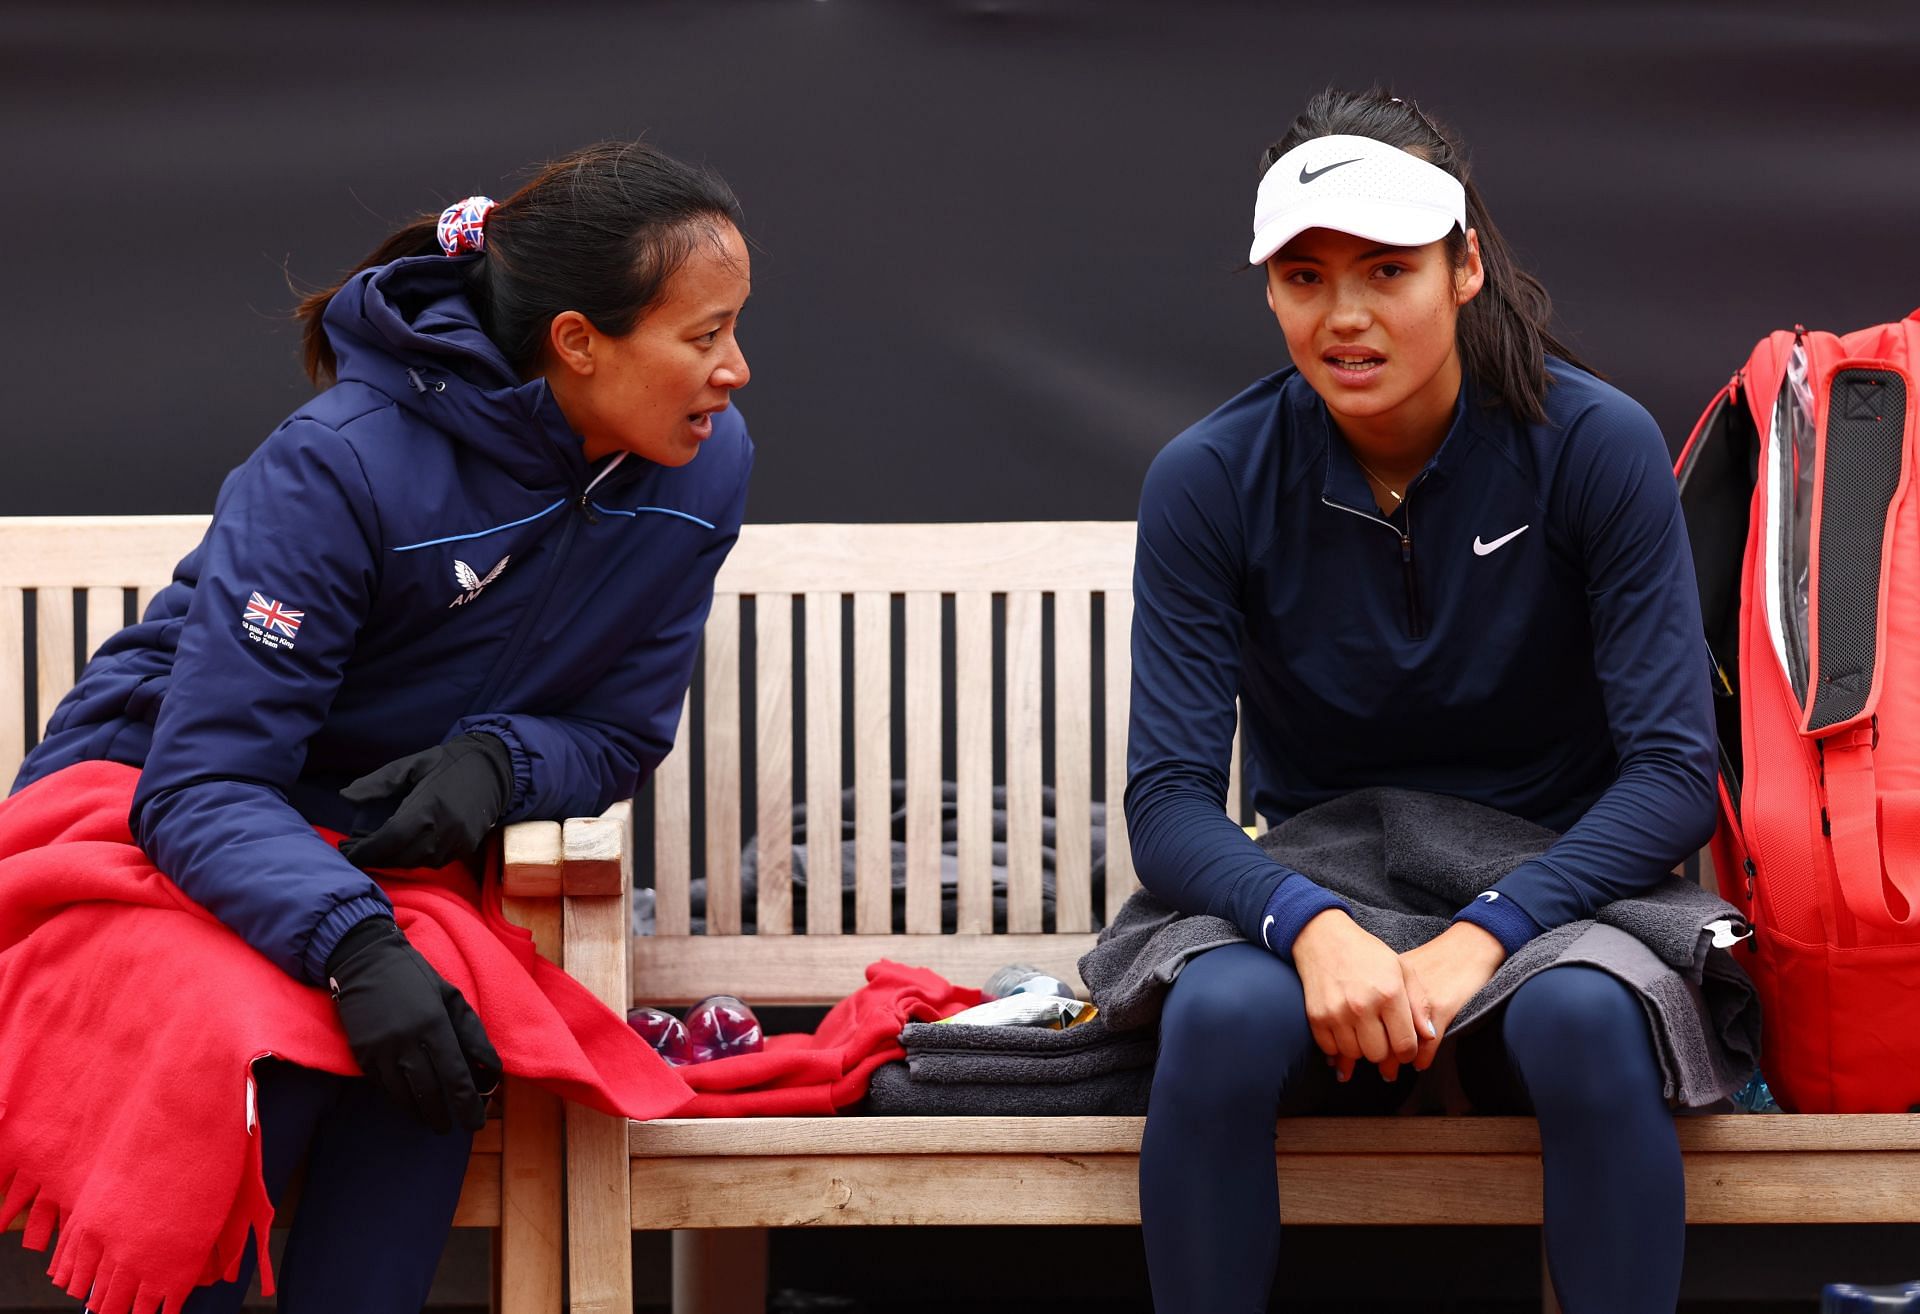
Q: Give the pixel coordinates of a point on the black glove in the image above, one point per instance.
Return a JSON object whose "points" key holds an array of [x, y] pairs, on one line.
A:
{"points": [[409, 1030], [453, 795]]}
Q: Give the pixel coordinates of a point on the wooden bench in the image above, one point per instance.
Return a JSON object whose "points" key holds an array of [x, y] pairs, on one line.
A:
{"points": [[81, 578], [840, 640], [972, 645]]}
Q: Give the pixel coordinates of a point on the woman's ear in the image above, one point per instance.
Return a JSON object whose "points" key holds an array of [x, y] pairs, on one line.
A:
{"points": [[1471, 276], [570, 337]]}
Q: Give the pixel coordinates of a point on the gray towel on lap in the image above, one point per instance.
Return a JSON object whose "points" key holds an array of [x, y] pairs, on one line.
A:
{"points": [[1405, 862], [894, 1093], [951, 1054]]}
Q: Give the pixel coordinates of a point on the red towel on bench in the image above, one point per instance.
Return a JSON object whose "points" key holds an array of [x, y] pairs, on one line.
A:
{"points": [[129, 1018], [816, 1075]]}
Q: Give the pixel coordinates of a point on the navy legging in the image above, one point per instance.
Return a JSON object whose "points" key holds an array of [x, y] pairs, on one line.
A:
{"points": [[1236, 1051], [375, 1207]]}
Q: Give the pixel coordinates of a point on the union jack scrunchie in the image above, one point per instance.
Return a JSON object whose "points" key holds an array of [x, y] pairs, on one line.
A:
{"points": [[463, 226]]}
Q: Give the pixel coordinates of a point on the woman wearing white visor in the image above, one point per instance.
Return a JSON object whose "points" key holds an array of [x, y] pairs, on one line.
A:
{"points": [[1435, 554]]}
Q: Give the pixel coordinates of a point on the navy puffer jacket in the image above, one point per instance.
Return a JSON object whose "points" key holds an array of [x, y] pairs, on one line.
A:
{"points": [[419, 552]]}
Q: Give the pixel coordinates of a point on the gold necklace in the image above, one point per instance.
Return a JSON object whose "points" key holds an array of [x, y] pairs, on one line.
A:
{"points": [[1376, 478]]}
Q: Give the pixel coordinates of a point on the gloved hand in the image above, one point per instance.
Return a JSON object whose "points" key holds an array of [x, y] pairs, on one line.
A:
{"points": [[409, 1030], [453, 796]]}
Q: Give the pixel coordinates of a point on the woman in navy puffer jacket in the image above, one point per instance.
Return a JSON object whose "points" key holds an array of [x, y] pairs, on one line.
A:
{"points": [[464, 585]]}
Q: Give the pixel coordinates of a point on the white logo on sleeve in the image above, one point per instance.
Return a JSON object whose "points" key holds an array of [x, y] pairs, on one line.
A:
{"points": [[471, 582], [1489, 896], [1481, 549], [1264, 928]]}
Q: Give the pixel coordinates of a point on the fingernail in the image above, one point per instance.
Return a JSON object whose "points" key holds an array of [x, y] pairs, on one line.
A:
{"points": [[1431, 1033]]}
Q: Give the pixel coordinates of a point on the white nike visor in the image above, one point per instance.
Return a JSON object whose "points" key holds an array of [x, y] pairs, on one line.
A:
{"points": [[1356, 185]]}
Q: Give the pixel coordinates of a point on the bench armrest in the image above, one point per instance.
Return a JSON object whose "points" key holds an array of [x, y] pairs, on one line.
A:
{"points": [[569, 882]]}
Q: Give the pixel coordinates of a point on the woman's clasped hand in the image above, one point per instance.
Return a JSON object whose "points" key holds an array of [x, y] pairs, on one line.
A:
{"points": [[1365, 1001]]}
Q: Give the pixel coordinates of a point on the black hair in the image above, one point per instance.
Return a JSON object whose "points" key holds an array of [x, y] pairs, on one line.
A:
{"points": [[1503, 332], [600, 231]]}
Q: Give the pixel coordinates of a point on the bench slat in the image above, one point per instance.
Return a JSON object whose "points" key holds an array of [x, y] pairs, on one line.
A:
{"points": [[78, 552], [773, 760], [1414, 1188], [824, 730], [973, 757], [1723, 1135], [1117, 668], [53, 613], [106, 616], [1023, 761], [672, 789], [13, 684], [721, 695], [924, 742], [1429, 1171], [806, 969], [934, 558], [1073, 759], [873, 762]]}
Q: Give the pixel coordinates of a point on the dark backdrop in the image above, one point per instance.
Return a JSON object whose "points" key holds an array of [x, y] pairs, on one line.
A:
{"points": [[997, 241]]}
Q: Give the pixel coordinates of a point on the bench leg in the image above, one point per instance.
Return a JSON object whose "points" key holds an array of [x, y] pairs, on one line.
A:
{"points": [[531, 1252], [722, 1271]]}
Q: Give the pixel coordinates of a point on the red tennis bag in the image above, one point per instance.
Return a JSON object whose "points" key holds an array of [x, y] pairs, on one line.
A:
{"points": [[1798, 487]]}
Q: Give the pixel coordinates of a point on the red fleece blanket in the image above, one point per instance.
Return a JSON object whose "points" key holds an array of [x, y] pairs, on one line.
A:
{"points": [[130, 1018], [802, 1076]]}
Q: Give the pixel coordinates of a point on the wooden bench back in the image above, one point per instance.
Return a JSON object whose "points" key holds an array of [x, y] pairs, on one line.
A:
{"points": [[865, 654], [79, 578], [922, 654]]}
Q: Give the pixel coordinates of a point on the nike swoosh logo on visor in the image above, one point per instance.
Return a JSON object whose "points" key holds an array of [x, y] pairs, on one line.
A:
{"points": [[1308, 175], [1482, 549]]}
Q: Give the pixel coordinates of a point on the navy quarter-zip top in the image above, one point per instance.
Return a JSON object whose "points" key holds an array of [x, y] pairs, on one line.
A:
{"points": [[1524, 632], [419, 552]]}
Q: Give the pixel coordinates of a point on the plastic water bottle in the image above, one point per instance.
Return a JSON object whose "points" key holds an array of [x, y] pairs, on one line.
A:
{"points": [[1846, 1298], [1754, 1097], [1025, 979]]}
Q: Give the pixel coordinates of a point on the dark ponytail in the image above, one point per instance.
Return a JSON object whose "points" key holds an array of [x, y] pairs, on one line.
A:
{"points": [[1503, 332], [599, 231]]}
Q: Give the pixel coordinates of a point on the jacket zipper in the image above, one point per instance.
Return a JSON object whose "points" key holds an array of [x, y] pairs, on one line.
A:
{"points": [[1416, 614], [584, 506], [483, 701]]}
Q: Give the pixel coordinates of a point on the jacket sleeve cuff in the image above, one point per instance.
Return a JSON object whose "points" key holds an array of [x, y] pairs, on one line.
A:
{"points": [[346, 915], [1502, 918], [1295, 903], [502, 729]]}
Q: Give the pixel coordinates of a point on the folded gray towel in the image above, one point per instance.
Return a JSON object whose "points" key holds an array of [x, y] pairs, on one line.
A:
{"points": [[894, 1093], [1405, 862], [957, 1054]]}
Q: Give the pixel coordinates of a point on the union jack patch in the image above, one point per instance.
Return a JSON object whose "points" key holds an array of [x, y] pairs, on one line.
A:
{"points": [[269, 623]]}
